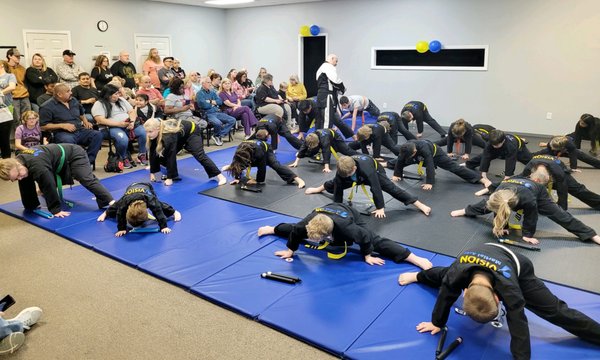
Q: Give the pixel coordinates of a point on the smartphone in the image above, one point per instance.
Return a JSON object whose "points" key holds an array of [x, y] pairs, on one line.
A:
{"points": [[6, 302]]}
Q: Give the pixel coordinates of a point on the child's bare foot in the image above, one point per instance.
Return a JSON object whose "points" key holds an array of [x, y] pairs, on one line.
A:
{"points": [[266, 230], [313, 190], [486, 182], [251, 182], [407, 278], [424, 208], [300, 182], [596, 239], [457, 213], [421, 262], [221, 179], [177, 216], [168, 182]]}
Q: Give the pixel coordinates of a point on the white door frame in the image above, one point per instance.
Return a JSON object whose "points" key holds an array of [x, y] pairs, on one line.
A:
{"points": [[301, 53], [25, 45], [135, 36]]}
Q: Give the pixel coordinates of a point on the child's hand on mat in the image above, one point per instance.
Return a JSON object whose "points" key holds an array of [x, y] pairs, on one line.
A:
{"points": [[428, 327], [101, 217], [372, 260], [575, 170], [379, 213], [284, 254], [120, 233], [165, 230], [326, 169], [233, 182], [451, 155], [426, 186], [62, 214], [465, 157], [531, 240], [396, 178], [294, 164]]}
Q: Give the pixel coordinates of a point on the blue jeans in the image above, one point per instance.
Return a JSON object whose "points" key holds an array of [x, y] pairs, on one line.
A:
{"points": [[121, 139], [249, 102], [9, 327], [91, 139], [221, 122]]}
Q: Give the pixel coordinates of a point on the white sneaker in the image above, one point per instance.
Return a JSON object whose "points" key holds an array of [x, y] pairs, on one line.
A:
{"points": [[11, 343], [219, 141], [29, 316]]}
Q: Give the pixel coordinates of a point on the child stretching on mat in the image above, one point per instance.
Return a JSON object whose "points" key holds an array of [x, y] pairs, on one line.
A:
{"points": [[565, 146], [462, 132], [529, 195], [166, 138], [258, 153], [340, 225], [326, 140], [511, 280], [375, 135], [364, 170], [132, 208]]}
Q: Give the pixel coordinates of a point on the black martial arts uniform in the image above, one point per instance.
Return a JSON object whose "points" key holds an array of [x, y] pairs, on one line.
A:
{"points": [[262, 157], [379, 136], [534, 200], [590, 132], [275, 127], [329, 88], [573, 153], [512, 149], [368, 172], [43, 163], [421, 115], [347, 228], [514, 281], [432, 156], [144, 192], [305, 120], [190, 139], [470, 138], [396, 126], [563, 182], [328, 140]]}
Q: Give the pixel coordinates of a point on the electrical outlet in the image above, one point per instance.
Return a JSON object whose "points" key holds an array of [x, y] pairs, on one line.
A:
{"points": [[385, 105], [549, 116]]}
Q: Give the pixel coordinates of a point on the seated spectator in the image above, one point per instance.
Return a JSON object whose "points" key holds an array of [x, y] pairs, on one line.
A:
{"points": [[151, 67], [49, 87], [215, 80], [68, 71], [29, 133], [243, 88], [126, 93], [101, 74], [234, 107], [154, 95], [261, 72], [209, 102], [144, 110], [11, 330], [177, 70], [64, 117], [86, 94], [196, 82], [180, 107], [124, 69], [166, 73], [268, 101], [35, 78], [296, 91], [231, 75], [283, 94], [116, 117], [8, 82]]}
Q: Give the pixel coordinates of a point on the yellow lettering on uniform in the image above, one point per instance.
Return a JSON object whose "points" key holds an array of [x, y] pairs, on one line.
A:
{"points": [[136, 190]]}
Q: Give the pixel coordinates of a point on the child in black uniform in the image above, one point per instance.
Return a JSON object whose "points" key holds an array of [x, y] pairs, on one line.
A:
{"points": [[133, 207], [490, 273], [52, 166], [326, 140], [364, 170], [565, 146], [308, 114], [396, 126], [258, 153], [374, 135], [461, 131], [427, 154], [529, 195], [275, 126], [587, 128], [340, 224], [166, 138], [417, 111], [509, 147]]}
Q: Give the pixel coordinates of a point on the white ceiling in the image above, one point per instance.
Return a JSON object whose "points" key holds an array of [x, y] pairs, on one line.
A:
{"points": [[256, 3]]}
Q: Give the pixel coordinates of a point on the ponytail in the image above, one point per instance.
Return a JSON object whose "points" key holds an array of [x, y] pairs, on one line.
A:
{"points": [[459, 128], [501, 202], [242, 159]]}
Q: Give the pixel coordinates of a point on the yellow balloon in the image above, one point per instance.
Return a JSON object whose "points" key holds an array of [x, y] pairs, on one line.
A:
{"points": [[305, 30], [422, 46]]}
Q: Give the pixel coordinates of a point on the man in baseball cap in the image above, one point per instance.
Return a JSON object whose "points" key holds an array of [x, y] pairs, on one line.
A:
{"points": [[20, 95], [68, 71]]}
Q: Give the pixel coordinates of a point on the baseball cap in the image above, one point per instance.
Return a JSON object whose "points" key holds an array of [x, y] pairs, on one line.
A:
{"points": [[13, 52], [68, 52]]}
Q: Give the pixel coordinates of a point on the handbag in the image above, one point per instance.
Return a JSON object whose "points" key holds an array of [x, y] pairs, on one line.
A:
{"points": [[114, 163], [5, 114]]}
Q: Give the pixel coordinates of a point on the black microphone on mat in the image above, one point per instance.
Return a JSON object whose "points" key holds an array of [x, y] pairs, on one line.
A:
{"points": [[279, 277], [442, 340], [453, 345]]}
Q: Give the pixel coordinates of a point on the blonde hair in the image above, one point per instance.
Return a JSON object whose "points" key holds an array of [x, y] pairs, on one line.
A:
{"points": [[345, 166], [27, 114], [168, 126], [386, 125], [226, 80], [480, 303], [295, 78], [540, 175], [137, 213], [558, 143], [44, 66], [501, 202], [312, 140], [6, 166], [364, 133], [262, 134], [319, 227], [459, 128]]}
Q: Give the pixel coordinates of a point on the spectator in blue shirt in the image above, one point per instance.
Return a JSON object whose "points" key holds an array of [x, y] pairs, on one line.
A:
{"points": [[208, 100]]}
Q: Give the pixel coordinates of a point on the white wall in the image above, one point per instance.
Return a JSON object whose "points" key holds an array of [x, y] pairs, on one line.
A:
{"points": [[194, 39], [543, 54]]}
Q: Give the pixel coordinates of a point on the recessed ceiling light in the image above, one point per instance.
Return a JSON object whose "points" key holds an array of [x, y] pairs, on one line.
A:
{"points": [[227, 2]]}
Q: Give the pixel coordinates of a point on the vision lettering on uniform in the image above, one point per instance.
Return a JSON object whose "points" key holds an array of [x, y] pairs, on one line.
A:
{"points": [[135, 191], [471, 259], [545, 157]]}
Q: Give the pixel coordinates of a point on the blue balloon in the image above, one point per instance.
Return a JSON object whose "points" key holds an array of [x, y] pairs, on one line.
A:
{"points": [[435, 46], [315, 30]]}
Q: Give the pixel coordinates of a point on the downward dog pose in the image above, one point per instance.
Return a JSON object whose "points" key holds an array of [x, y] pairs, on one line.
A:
{"points": [[565, 146], [356, 103], [340, 225], [511, 279], [417, 111], [461, 131], [308, 112], [166, 138], [326, 140], [275, 126], [133, 207], [375, 135], [427, 154], [529, 195], [364, 170], [52, 166], [258, 153], [396, 125]]}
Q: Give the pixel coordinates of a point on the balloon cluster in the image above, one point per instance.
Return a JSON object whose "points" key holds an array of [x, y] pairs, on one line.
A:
{"points": [[313, 30], [434, 46]]}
